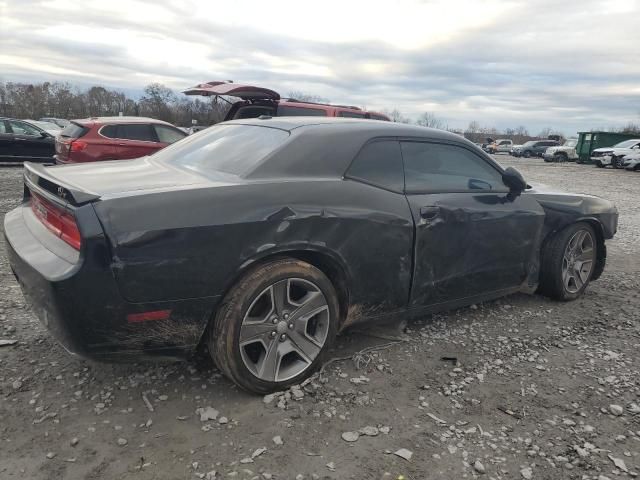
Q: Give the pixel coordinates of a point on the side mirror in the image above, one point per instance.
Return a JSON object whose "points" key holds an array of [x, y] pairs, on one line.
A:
{"points": [[44, 134], [513, 179]]}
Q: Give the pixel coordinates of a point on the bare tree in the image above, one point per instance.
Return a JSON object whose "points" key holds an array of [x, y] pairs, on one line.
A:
{"points": [[429, 119], [474, 127], [396, 116]]}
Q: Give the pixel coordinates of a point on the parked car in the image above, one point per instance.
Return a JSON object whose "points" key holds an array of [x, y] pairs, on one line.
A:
{"points": [[562, 153], [499, 146], [48, 127], [22, 141], [631, 162], [263, 238], [61, 122], [533, 148], [257, 101], [606, 156], [513, 147], [113, 138]]}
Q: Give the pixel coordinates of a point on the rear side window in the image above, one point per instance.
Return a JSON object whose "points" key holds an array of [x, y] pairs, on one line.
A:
{"points": [[289, 111], [351, 114], [73, 130], [136, 131], [234, 149], [379, 163], [437, 167], [109, 131], [167, 134]]}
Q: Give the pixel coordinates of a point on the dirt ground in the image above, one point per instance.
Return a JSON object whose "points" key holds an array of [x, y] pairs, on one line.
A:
{"points": [[523, 387]]}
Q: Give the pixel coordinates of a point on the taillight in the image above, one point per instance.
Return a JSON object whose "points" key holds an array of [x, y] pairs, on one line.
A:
{"points": [[77, 146], [60, 222]]}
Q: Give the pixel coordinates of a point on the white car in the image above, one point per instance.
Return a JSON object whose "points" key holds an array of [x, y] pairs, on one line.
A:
{"points": [[605, 156], [631, 162], [562, 153]]}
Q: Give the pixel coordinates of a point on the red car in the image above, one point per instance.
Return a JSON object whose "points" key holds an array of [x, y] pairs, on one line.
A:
{"points": [[113, 138], [258, 101]]}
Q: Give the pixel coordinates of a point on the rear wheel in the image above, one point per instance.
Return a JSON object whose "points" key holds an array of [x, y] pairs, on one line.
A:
{"points": [[568, 262], [275, 325]]}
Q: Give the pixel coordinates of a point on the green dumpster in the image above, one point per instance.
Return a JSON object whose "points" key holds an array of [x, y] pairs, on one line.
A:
{"points": [[589, 141]]}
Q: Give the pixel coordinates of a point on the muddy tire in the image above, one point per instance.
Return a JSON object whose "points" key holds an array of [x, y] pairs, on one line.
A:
{"points": [[275, 326], [568, 262]]}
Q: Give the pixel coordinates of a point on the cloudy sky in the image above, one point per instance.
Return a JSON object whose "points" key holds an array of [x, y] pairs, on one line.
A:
{"points": [[566, 64]]}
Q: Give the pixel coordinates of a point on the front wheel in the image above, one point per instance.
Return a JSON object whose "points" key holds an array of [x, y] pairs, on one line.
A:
{"points": [[527, 154], [616, 162], [568, 262], [275, 325]]}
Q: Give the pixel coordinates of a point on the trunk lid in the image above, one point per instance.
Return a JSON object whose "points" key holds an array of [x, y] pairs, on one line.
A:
{"points": [[91, 181], [245, 92]]}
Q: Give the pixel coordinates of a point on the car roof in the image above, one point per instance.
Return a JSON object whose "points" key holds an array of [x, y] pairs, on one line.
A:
{"points": [[374, 127], [119, 120], [323, 147]]}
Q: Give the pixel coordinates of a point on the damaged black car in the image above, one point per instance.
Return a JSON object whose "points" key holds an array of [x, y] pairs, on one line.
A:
{"points": [[264, 238]]}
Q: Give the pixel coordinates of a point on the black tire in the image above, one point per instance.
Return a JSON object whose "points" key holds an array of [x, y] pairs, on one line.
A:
{"points": [[560, 157], [616, 162], [224, 337], [552, 259], [526, 154], [599, 164]]}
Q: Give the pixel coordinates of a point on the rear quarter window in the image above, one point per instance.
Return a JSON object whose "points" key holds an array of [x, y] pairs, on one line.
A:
{"points": [[73, 130], [379, 163], [232, 149]]}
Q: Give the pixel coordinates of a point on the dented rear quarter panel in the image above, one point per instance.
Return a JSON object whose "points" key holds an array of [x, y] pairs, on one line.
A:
{"points": [[196, 243]]}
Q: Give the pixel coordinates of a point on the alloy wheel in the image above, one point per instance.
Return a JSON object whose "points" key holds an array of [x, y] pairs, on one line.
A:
{"points": [[284, 329], [577, 262]]}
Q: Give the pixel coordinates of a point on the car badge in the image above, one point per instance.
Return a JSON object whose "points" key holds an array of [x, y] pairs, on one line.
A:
{"points": [[62, 193]]}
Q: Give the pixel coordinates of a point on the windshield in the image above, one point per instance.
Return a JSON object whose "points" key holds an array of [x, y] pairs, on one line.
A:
{"points": [[570, 143], [233, 149], [626, 144]]}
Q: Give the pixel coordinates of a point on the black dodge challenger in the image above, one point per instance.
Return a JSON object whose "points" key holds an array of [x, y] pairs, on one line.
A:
{"points": [[263, 238]]}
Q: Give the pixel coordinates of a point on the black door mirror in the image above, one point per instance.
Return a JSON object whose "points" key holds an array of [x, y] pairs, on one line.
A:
{"points": [[513, 179], [44, 134]]}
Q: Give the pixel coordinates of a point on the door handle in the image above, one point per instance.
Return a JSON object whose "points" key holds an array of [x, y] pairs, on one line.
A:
{"points": [[429, 212]]}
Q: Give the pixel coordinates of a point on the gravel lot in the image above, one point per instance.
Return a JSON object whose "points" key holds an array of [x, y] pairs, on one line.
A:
{"points": [[528, 388]]}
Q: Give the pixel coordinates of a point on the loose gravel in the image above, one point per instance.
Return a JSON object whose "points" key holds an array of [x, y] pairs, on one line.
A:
{"points": [[523, 387]]}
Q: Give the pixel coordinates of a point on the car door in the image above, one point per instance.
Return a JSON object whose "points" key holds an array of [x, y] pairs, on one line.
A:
{"points": [[135, 140], [31, 142], [7, 145], [473, 237]]}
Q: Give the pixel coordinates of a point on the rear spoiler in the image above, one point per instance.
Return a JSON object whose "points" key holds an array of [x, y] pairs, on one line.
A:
{"points": [[38, 176]]}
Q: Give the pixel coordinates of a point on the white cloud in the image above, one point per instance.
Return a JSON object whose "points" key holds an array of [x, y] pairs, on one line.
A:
{"points": [[570, 65]]}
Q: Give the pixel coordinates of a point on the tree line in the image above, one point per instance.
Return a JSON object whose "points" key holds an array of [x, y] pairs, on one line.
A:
{"points": [[63, 100]]}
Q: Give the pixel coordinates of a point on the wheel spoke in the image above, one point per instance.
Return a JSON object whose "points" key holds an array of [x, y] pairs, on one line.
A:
{"points": [[280, 296], [584, 270], [252, 332], [314, 302], [305, 346], [270, 364], [585, 255]]}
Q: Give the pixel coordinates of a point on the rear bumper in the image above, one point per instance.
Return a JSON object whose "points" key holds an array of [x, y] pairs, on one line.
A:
{"points": [[80, 304]]}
